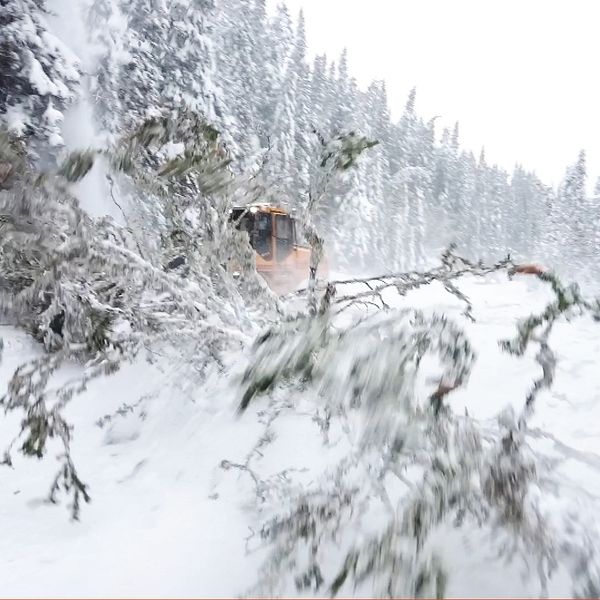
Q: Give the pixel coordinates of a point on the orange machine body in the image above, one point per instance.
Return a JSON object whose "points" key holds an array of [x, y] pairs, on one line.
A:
{"points": [[281, 258]]}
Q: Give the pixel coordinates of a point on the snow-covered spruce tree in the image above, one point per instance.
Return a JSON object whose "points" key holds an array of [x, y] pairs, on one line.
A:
{"points": [[498, 229], [84, 289], [442, 176], [528, 215], [303, 115], [337, 161], [289, 132], [345, 91], [241, 60], [364, 202], [354, 532], [478, 205], [162, 59], [411, 158], [320, 100], [340, 210], [595, 222], [377, 164], [38, 74], [108, 31], [574, 208], [278, 49], [151, 58]]}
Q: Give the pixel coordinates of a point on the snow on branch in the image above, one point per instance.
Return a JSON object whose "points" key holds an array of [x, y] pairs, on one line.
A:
{"points": [[367, 367], [370, 289], [83, 288]]}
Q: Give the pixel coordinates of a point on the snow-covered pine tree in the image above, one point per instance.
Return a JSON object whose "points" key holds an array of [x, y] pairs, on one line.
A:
{"points": [[374, 173], [282, 167], [520, 239], [574, 206], [319, 94], [321, 104], [595, 222], [411, 182], [344, 107], [465, 191], [345, 205], [478, 205], [109, 34], [528, 216], [38, 75], [499, 197], [444, 189], [442, 168], [140, 78], [189, 64], [277, 54], [154, 57], [238, 72], [303, 111]]}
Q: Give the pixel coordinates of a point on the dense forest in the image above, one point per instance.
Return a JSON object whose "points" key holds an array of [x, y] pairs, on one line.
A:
{"points": [[248, 73]]}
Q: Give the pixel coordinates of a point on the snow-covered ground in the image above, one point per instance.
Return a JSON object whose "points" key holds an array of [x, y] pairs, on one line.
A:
{"points": [[166, 519]]}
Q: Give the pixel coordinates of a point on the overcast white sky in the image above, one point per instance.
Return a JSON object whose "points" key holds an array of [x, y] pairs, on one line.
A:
{"points": [[521, 76]]}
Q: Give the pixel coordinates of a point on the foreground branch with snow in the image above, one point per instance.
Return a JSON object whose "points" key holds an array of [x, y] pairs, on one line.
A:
{"points": [[363, 371]]}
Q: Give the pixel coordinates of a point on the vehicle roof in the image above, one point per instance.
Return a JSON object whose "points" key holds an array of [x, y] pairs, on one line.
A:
{"points": [[265, 208]]}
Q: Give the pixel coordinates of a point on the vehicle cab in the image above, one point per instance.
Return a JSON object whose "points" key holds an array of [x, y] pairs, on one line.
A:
{"points": [[282, 257]]}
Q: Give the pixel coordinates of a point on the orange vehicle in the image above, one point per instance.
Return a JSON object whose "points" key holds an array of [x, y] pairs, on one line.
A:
{"points": [[281, 258]]}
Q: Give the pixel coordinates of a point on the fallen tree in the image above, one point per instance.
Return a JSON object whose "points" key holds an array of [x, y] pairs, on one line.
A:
{"points": [[364, 369]]}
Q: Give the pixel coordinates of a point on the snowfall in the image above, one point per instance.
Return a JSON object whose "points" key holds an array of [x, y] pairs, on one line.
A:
{"points": [[167, 519]]}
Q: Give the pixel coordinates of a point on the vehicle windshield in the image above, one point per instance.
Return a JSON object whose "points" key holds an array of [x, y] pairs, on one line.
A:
{"points": [[259, 228], [284, 235], [299, 234]]}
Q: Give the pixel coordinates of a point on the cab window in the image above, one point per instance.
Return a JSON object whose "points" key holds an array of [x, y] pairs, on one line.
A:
{"points": [[284, 236], [261, 238], [259, 227]]}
